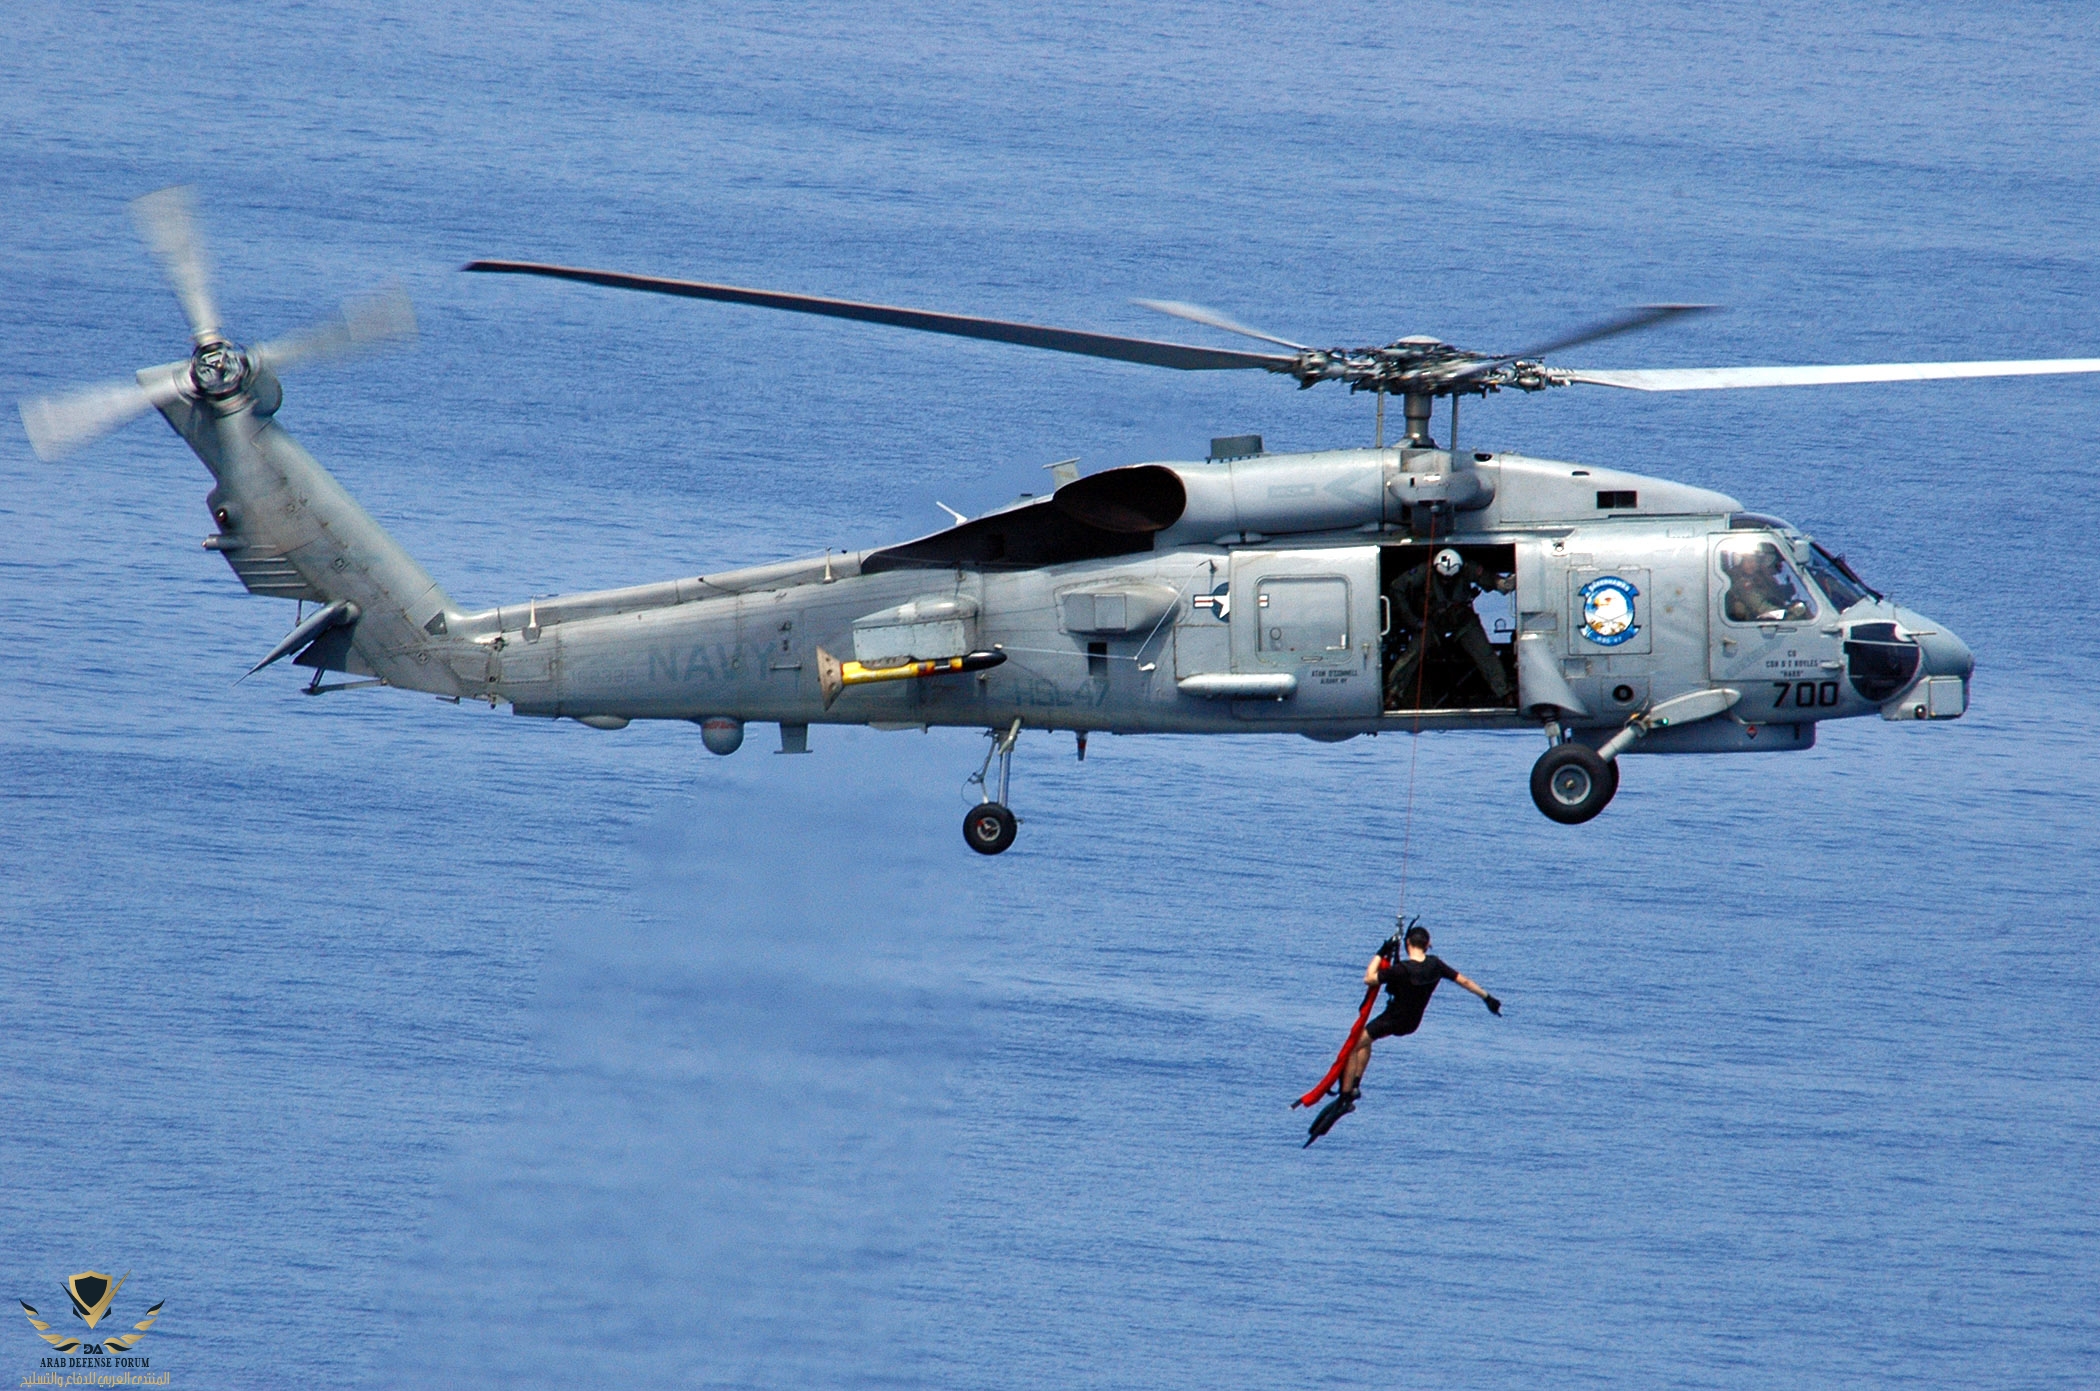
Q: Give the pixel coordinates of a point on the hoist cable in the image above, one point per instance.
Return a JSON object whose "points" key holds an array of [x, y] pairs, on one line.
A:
{"points": [[1420, 648], [1414, 740]]}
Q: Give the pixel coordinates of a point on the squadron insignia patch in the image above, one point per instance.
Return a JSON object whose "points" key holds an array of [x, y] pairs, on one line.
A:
{"points": [[1608, 611]]}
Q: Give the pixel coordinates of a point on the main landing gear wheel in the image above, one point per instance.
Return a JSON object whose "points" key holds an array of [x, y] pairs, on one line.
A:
{"points": [[989, 828], [1571, 784]]}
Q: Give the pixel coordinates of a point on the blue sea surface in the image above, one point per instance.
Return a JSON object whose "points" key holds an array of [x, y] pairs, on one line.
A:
{"points": [[391, 1042]]}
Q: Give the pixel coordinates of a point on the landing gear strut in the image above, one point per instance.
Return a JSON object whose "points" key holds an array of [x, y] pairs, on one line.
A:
{"points": [[1571, 784], [990, 828]]}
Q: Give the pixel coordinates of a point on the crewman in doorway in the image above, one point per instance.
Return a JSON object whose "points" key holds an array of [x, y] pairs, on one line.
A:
{"points": [[1409, 978], [1432, 604]]}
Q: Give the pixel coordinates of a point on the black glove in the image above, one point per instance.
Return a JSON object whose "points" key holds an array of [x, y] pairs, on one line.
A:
{"points": [[1494, 1005]]}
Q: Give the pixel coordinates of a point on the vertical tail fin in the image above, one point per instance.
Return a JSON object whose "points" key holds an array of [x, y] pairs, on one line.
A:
{"points": [[290, 530], [286, 526]]}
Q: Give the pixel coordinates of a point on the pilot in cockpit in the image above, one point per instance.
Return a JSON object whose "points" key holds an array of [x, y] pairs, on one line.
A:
{"points": [[1761, 587]]}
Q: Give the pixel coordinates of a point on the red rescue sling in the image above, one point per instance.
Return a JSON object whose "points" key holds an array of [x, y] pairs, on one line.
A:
{"points": [[1341, 1059]]}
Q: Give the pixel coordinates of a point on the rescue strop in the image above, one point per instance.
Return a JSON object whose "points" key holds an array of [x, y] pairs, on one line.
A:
{"points": [[1341, 1059]]}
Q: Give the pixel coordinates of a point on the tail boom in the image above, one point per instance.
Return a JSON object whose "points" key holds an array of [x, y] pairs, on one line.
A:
{"points": [[290, 530]]}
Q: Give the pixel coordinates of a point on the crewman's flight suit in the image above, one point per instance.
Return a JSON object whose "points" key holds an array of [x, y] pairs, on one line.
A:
{"points": [[1448, 608]]}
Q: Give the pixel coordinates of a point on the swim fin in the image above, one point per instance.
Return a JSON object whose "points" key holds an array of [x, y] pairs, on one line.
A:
{"points": [[1329, 1114]]}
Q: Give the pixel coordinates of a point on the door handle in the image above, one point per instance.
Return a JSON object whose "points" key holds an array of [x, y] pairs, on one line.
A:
{"points": [[1385, 614]]}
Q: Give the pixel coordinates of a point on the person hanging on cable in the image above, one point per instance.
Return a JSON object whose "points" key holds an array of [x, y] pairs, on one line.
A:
{"points": [[1410, 976]]}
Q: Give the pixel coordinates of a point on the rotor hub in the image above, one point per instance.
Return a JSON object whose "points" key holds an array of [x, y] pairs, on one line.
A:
{"points": [[218, 369]]}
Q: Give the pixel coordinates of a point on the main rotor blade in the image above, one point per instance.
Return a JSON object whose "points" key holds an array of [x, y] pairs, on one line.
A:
{"points": [[167, 219], [58, 425], [361, 324], [1201, 314], [1180, 356], [1626, 321], [1730, 378]]}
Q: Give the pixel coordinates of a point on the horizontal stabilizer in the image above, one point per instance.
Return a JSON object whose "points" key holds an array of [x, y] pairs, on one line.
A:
{"points": [[342, 611]]}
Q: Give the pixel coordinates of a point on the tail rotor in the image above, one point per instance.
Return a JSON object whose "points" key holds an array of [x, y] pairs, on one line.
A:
{"points": [[167, 219], [218, 371]]}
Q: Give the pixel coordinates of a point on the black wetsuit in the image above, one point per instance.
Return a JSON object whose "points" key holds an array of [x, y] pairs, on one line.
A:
{"points": [[1408, 986]]}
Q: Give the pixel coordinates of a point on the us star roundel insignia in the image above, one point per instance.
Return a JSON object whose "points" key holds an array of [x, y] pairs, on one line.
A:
{"points": [[1608, 611], [91, 1292]]}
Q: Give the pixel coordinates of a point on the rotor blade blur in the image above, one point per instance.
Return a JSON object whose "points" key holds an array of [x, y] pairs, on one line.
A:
{"points": [[1627, 321], [1180, 356], [58, 425], [1200, 314], [168, 221], [363, 323], [1733, 378]]}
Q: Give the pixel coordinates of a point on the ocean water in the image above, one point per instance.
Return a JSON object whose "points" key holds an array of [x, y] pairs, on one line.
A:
{"points": [[397, 1043]]}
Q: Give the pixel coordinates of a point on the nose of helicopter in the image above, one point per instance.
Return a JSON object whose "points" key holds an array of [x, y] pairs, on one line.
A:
{"points": [[1945, 665], [1945, 654]]}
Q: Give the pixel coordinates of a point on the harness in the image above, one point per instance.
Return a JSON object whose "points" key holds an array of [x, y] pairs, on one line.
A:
{"points": [[1341, 1059], [1390, 954]]}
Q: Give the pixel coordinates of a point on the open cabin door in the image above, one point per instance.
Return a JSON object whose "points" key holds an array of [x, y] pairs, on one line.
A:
{"points": [[1449, 641]]}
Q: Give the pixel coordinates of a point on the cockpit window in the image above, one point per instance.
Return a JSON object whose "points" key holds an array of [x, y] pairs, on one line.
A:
{"points": [[1762, 585], [1837, 579]]}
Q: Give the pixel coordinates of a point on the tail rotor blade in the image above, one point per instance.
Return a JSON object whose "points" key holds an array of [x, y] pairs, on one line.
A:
{"points": [[363, 323], [58, 425], [168, 221]]}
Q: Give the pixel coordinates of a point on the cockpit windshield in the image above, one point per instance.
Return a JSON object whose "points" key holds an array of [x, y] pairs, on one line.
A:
{"points": [[1837, 580], [1762, 585]]}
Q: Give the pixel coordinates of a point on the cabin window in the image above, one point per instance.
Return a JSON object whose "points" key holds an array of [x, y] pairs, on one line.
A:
{"points": [[1763, 586], [1304, 617], [1837, 580]]}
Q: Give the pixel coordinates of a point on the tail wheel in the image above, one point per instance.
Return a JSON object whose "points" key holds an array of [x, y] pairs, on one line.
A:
{"points": [[1571, 784], [989, 828]]}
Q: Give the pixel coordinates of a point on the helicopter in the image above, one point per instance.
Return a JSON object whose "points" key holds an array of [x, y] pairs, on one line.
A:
{"points": [[1327, 594]]}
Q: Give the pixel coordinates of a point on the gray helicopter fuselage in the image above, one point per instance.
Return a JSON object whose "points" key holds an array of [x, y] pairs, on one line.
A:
{"points": [[1260, 608], [1325, 594], [1242, 595]]}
